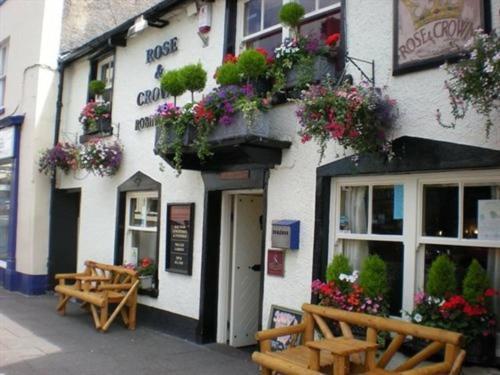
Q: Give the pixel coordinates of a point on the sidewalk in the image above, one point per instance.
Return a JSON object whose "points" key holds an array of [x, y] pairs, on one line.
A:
{"points": [[34, 339]]}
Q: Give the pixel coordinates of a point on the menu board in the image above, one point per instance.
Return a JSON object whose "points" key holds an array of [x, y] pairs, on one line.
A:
{"points": [[180, 223]]}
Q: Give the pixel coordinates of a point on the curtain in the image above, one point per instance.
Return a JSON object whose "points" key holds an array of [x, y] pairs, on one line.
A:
{"points": [[356, 209]]}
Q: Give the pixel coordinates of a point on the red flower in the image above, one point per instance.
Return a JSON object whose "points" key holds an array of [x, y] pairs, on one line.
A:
{"points": [[145, 262], [262, 51], [477, 310], [332, 39], [306, 138], [230, 58], [490, 292], [270, 60]]}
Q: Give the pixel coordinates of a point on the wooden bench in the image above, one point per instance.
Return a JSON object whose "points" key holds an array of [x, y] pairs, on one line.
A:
{"points": [[99, 286], [302, 359]]}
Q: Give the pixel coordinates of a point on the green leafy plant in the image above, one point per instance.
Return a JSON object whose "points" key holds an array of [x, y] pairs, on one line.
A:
{"points": [[373, 277], [441, 279], [97, 87], [475, 283], [228, 74], [195, 78], [173, 82], [339, 265], [291, 14], [475, 79], [252, 65]]}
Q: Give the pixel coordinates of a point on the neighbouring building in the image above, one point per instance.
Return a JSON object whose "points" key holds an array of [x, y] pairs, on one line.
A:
{"points": [[210, 230]]}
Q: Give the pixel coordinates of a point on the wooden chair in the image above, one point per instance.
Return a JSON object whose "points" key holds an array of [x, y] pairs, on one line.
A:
{"points": [[303, 360], [99, 287]]}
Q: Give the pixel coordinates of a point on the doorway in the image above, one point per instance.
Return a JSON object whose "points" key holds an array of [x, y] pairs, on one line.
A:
{"points": [[63, 247], [240, 281]]}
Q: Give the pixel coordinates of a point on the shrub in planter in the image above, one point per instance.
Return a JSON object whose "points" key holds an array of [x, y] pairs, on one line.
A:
{"points": [[475, 283], [252, 65], [358, 117], [97, 87], [339, 265], [373, 277], [195, 78], [174, 83], [101, 158], [441, 280], [228, 74], [63, 155]]}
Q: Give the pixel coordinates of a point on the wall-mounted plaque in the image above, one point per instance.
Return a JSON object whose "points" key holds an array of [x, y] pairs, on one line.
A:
{"points": [[275, 262], [180, 228], [426, 33]]}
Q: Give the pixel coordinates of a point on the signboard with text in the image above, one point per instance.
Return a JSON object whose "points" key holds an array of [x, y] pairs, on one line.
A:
{"points": [[180, 227], [426, 33]]}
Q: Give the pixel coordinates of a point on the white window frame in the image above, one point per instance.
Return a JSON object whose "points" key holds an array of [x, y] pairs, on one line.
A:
{"points": [[100, 64], [413, 242], [272, 29], [3, 74]]}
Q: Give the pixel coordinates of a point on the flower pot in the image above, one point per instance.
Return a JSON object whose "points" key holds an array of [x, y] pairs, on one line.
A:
{"points": [[241, 128], [146, 282], [481, 351], [321, 67]]}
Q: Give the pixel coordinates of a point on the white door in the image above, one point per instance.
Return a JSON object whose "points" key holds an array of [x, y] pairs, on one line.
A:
{"points": [[246, 266]]}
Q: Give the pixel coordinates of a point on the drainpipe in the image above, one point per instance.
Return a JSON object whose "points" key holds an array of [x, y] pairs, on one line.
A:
{"points": [[57, 127]]}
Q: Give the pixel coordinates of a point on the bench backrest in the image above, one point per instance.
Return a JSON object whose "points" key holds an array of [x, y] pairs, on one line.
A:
{"points": [[117, 274]]}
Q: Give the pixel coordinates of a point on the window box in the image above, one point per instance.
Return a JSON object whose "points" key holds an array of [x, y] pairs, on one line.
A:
{"points": [[321, 67], [103, 128]]}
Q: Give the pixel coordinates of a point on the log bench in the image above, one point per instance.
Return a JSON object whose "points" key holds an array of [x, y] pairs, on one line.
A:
{"points": [[99, 287], [308, 358]]}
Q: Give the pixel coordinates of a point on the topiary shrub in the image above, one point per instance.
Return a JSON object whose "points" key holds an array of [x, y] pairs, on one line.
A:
{"points": [[373, 277], [251, 64], [228, 74], [173, 83], [97, 87], [195, 78], [475, 282], [291, 14], [441, 279], [339, 264]]}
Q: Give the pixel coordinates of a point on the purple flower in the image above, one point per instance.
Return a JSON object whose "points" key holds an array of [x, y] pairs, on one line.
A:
{"points": [[226, 120]]}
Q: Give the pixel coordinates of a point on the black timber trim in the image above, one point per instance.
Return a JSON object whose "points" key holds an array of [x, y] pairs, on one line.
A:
{"points": [[414, 154], [11, 121], [230, 27]]}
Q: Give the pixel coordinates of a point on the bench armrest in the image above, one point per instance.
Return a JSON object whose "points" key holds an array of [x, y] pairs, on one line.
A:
{"points": [[92, 278], [114, 286], [70, 276], [278, 332]]}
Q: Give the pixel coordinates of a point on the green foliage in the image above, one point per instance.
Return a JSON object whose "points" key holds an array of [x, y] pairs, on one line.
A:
{"points": [[441, 279], [475, 282], [173, 82], [194, 76], [291, 14], [373, 277], [228, 74], [97, 87], [252, 64], [340, 264]]}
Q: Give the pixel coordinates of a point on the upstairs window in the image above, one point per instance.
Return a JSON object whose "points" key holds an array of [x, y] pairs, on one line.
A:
{"points": [[3, 75], [105, 72]]}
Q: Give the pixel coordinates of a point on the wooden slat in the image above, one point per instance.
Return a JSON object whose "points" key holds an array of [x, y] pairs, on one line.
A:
{"points": [[371, 336], [422, 355], [120, 306], [278, 332], [346, 330], [384, 324], [284, 367], [457, 364], [325, 330], [438, 368], [95, 316], [395, 344]]}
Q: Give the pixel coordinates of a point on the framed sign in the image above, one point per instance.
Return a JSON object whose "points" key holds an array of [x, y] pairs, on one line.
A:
{"points": [[428, 32], [275, 262], [180, 227], [284, 317]]}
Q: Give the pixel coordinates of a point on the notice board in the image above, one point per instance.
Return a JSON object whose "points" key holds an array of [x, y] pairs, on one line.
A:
{"points": [[180, 227]]}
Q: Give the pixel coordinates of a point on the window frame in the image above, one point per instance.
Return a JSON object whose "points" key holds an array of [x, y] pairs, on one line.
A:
{"points": [[4, 46]]}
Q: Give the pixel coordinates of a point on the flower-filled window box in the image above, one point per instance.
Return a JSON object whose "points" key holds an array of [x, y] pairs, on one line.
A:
{"points": [[96, 120]]}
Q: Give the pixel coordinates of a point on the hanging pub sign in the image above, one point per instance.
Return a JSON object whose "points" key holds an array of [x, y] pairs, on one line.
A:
{"points": [[180, 226], [426, 33]]}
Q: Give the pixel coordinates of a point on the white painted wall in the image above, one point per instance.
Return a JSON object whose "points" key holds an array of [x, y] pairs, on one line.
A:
{"points": [[31, 91], [291, 192]]}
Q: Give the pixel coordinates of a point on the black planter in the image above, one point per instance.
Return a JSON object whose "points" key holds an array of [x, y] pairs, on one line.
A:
{"points": [[321, 67], [166, 137], [104, 126], [481, 351]]}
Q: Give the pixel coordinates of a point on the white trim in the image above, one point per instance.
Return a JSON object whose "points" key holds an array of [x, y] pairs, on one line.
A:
{"points": [[3, 264]]}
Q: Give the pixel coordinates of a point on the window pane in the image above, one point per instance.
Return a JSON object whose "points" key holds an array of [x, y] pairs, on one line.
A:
{"points": [[354, 209], [309, 5], [392, 254], [440, 210], [322, 27], [5, 181], [387, 203], [487, 195], [144, 212], [252, 16], [145, 243], [2, 91], [3, 57], [271, 11], [326, 3], [269, 43]]}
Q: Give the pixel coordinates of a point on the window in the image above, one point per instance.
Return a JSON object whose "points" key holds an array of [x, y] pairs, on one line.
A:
{"points": [[312, 5], [141, 229], [5, 186], [3, 75], [105, 72], [322, 26]]}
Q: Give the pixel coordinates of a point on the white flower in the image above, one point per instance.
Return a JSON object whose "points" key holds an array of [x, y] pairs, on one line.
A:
{"points": [[496, 57], [343, 277], [418, 318], [488, 67]]}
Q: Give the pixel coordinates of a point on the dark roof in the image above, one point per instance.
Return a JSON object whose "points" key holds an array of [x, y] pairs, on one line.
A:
{"points": [[116, 36], [413, 154]]}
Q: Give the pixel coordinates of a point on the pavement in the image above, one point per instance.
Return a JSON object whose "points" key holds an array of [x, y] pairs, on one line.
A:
{"points": [[35, 340]]}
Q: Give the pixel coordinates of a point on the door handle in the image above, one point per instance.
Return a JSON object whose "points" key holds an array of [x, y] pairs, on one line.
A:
{"points": [[255, 267]]}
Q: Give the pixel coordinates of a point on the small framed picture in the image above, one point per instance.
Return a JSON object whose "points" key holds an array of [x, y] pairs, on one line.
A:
{"points": [[284, 317]]}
